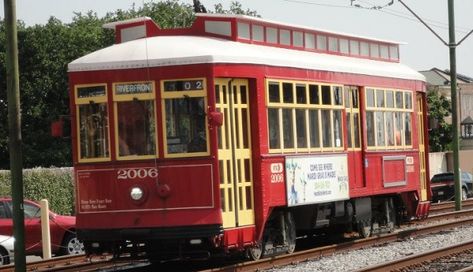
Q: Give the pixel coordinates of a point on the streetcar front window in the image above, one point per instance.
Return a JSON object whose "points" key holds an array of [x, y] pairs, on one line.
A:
{"points": [[135, 121], [185, 125], [184, 106], [92, 122], [136, 128]]}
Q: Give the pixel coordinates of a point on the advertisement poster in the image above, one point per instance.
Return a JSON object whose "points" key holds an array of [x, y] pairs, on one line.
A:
{"points": [[316, 179]]}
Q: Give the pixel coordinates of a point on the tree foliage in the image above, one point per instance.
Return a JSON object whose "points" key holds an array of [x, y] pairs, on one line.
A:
{"points": [[45, 51], [440, 132]]}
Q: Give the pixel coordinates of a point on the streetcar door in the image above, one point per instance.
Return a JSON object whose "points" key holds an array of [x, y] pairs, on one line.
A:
{"points": [[420, 129], [355, 156], [234, 153]]}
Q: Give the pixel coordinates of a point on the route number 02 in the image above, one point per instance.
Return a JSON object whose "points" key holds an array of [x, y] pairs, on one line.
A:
{"points": [[137, 173]]}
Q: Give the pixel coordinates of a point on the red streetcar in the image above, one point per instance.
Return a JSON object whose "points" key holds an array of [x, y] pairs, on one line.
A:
{"points": [[239, 134]]}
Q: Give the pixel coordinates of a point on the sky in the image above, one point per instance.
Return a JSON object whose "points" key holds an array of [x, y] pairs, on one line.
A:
{"points": [[421, 50]]}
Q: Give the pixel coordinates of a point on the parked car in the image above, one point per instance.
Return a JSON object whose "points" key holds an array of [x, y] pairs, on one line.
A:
{"points": [[62, 229], [6, 249], [443, 187]]}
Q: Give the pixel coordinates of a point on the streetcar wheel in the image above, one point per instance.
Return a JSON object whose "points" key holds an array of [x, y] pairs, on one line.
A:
{"points": [[364, 229], [255, 252]]}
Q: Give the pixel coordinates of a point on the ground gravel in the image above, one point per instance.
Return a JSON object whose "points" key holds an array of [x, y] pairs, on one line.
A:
{"points": [[360, 258]]}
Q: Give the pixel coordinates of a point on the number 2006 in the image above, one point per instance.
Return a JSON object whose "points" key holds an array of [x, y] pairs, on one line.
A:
{"points": [[134, 173]]}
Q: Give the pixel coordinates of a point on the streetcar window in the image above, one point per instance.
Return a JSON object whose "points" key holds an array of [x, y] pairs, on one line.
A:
{"points": [[326, 95], [354, 48], [369, 98], [257, 33], [408, 128], [92, 122], [135, 120], [389, 122], [274, 92], [288, 131], [333, 44], [185, 122], [297, 38], [384, 51], [370, 128], [374, 50], [390, 128], [393, 52], [299, 122], [326, 129], [185, 125], [136, 128], [337, 92], [314, 128], [243, 30], [288, 96], [352, 118], [309, 41], [284, 37], [273, 125], [364, 49], [321, 42], [271, 35], [301, 128], [344, 46]]}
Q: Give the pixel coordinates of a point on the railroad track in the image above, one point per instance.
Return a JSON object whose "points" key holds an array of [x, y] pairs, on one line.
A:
{"points": [[305, 255], [457, 257], [82, 263], [443, 207], [76, 263]]}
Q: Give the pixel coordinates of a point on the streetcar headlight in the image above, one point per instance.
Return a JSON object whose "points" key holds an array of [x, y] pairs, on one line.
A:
{"points": [[136, 193]]}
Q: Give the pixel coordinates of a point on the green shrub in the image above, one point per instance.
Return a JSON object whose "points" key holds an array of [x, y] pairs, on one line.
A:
{"points": [[54, 184]]}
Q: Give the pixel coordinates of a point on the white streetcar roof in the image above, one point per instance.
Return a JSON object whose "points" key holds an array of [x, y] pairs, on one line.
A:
{"points": [[162, 51]]}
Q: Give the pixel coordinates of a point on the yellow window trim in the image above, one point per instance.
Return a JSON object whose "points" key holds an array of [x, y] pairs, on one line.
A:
{"points": [[130, 97], [87, 100], [179, 94]]}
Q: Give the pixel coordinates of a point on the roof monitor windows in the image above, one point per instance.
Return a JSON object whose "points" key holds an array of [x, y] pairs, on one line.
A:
{"points": [[297, 38], [384, 51], [284, 37], [374, 50], [309, 41], [354, 48], [257, 33], [364, 49], [271, 35], [322, 42], [218, 27], [333, 44], [393, 52], [243, 31], [344, 48]]}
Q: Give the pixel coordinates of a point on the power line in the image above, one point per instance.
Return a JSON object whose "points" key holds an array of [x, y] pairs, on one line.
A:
{"points": [[380, 8]]}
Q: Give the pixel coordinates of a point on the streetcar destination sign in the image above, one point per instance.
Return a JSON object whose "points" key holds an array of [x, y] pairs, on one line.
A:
{"points": [[134, 88]]}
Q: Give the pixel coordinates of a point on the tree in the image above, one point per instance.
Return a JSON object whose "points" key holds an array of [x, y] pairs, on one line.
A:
{"points": [[440, 132], [45, 51]]}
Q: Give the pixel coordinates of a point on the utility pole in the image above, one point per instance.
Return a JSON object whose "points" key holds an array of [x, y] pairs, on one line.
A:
{"points": [[453, 91], [14, 126]]}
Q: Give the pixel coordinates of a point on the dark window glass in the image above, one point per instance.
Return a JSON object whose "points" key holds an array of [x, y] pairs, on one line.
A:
{"points": [[288, 128], [370, 128], [337, 92], [314, 128], [301, 94], [314, 94], [274, 92], [326, 95], [93, 130], [380, 98], [273, 123], [301, 128], [288, 95], [326, 129]]}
